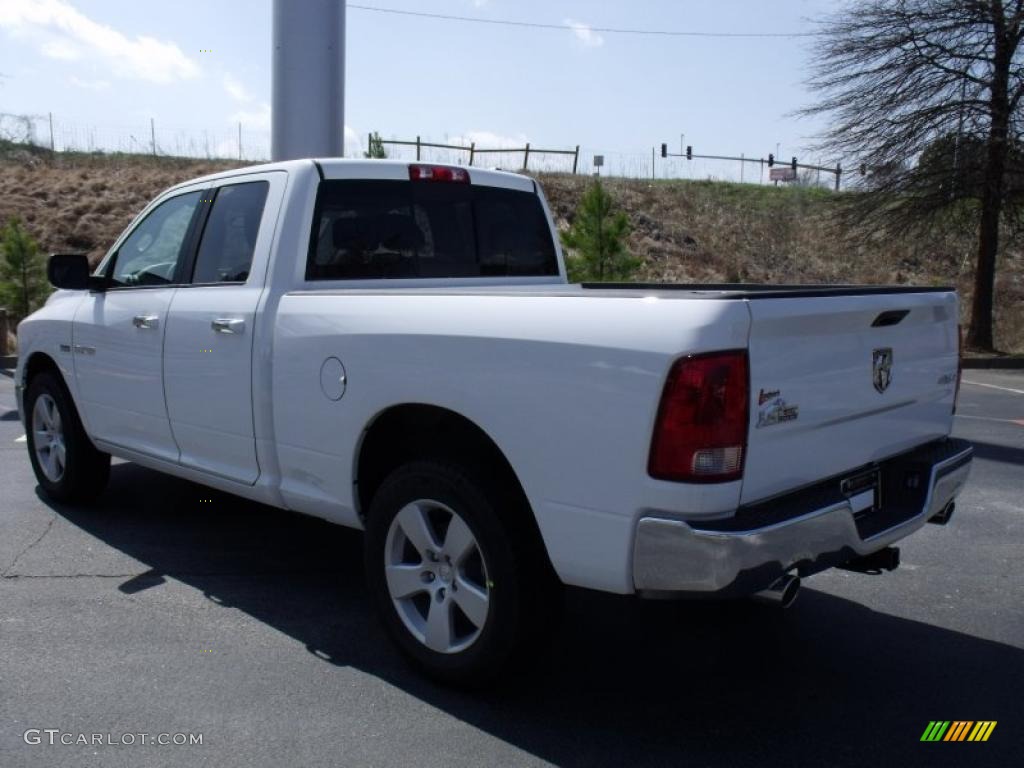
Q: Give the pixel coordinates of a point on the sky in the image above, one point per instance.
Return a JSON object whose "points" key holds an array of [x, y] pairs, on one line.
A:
{"points": [[198, 68]]}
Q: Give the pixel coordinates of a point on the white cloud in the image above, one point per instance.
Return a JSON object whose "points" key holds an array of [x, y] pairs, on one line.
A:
{"points": [[584, 34], [256, 118], [353, 146], [489, 140], [91, 85], [60, 49], [235, 89], [64, 28]]}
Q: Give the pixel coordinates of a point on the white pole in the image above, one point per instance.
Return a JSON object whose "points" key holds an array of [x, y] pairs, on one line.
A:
{"points": [[308, 89]]}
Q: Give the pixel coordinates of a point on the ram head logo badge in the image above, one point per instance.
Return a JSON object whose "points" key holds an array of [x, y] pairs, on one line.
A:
{"points": [[881, 368]]}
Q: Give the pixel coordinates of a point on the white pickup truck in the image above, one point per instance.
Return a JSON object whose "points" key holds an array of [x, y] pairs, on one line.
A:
{"points": [[395, 347]]}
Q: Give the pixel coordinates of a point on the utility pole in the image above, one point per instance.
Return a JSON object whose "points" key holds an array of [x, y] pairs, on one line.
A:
{"points": [[308, 91], [239, 140], [742, 163], [52, 149], [152, 134], [652, 163]]}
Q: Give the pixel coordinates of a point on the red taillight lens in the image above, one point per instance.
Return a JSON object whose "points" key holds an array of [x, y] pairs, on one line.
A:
{"points": [[438, 173], [959, 364], [701, 432]]}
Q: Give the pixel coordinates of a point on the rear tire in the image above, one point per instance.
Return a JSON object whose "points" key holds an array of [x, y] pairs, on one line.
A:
{"points": [[68, 466], [460, 582]]}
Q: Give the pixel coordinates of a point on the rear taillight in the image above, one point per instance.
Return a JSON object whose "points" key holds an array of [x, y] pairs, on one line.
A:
{"points": [[438, 173], [700, 435], [959, 364]]}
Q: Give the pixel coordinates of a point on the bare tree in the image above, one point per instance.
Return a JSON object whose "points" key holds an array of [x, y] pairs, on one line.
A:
{"points": [[898, 78]]}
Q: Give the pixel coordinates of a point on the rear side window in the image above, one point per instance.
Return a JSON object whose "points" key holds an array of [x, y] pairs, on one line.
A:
{"points": [[229, 237], [396, 229]]}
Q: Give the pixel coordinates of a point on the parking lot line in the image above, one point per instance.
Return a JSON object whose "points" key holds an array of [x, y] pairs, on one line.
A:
{"points": [[994, 386], [1019, 422]]}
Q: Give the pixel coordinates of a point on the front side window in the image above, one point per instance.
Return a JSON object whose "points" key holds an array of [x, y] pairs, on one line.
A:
{"points": [[229, 237], [396, 229], [151, 253]]}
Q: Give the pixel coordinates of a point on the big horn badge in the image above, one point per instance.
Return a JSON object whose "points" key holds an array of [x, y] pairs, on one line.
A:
{"points": [[881, 368]]}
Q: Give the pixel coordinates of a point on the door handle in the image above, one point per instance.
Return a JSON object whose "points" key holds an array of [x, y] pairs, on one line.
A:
{"points": [[146, 321], [228, 325]]}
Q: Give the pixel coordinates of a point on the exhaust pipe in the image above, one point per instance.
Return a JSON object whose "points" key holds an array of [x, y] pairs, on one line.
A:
{"points": [[780, 594], [887, 559], [944, 515]]}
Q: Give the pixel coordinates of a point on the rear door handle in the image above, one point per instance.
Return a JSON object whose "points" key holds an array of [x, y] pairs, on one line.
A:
{"points": [[228, 325], [146, 321]]}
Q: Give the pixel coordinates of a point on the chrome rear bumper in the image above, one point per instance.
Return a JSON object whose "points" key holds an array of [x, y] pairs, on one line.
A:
{"points": [[676, 556]]}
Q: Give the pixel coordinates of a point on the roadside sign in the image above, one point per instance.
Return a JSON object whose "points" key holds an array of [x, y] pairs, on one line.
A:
{"points": [[781, 174], [598, 161]]}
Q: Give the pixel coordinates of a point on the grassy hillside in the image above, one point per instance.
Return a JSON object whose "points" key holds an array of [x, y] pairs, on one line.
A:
{"points": [[684, 230]]}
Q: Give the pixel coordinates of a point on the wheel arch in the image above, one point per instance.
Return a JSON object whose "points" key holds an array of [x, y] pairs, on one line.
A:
{"points": [[42, 362], [409, 431], [37, 363]]}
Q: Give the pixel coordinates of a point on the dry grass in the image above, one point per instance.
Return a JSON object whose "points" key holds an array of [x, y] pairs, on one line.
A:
{"points": [[684, 230], [696, 231], [81, 203]]}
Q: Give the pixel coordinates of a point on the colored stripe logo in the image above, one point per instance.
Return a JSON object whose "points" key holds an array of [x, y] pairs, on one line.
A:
{"points": [[958, 730]]}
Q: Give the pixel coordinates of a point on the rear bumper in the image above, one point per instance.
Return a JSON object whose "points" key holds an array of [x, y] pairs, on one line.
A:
{"points": [[806, 531]]}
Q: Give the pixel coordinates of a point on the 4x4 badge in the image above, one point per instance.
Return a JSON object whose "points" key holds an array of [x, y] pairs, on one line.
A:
{"points": [[881, 368]]}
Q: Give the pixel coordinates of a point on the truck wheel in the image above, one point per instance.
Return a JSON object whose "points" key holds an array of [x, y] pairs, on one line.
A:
{"points": [[67, 465], [464, 594]]}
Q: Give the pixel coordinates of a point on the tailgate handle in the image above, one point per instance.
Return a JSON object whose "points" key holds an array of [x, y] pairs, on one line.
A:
{"points": [[892, 317]]}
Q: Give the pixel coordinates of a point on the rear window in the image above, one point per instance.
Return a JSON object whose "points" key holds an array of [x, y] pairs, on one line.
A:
{"points": [[395, 229], [229, 238]]}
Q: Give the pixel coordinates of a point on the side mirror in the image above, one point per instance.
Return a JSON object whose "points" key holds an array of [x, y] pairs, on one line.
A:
{"points": [[71, 271]]}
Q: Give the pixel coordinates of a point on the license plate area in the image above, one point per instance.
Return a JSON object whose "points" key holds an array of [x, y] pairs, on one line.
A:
{"points": [[864, 492]]}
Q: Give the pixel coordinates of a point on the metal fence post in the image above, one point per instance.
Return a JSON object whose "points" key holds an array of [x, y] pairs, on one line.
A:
{"points": [[3, 333], [417, 148], [526, 156], [472, 151], [839, 172], [575, 159]]}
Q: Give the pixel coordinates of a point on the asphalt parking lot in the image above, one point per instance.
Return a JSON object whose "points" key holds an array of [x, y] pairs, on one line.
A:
{"points": [[170, 608]]}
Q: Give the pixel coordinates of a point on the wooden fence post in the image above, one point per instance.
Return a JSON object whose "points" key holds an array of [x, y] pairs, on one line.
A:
{"points": [[575, 159], [472, 151], [526, 156]]}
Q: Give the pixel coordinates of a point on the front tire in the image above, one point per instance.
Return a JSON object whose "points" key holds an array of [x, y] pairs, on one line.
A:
{"points": [[461, 588], [67, 465]]}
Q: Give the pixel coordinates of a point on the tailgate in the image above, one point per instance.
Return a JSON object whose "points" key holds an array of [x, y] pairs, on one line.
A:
{"points": [[840, 381]]}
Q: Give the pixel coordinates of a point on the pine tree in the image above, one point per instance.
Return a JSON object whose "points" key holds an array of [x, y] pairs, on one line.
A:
{"points": [[23, 285], [597, 240], [376, 149]]}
